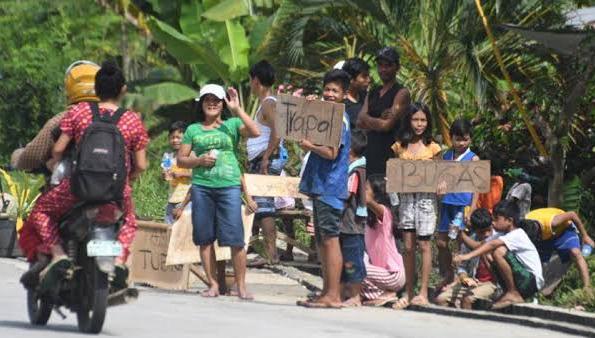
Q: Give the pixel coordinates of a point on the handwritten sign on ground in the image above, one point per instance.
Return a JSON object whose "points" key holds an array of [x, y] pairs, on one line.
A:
{"points": [[273, 186], [182, 250], [149, 252], [424, 176], [317, 121]]}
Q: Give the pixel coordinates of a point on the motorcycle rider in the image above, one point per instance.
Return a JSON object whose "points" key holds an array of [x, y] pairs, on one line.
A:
{"points": [[79, 86], [110, 87]]}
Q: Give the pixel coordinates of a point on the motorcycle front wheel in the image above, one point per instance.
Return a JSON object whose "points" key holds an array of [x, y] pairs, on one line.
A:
{"points": [[93, 290]]}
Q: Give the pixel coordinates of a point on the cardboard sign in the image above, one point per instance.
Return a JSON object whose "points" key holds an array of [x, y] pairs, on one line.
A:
{"points": [[273, 186], [317, 121], [181, 248], [149, 252], [424, 176]]}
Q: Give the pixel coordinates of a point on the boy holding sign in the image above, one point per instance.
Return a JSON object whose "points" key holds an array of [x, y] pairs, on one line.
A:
{"points": [[325, 181]]}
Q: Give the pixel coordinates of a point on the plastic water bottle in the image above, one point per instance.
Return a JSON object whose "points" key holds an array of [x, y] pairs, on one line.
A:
{"points": [[586, 250], [456, 226], [60, 171], [167, 161]]}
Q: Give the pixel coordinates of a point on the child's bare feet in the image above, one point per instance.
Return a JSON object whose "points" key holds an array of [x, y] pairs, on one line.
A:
{"points": [[507, 299], [211, 292], [353, 302], [324, 302], [420, 300]]}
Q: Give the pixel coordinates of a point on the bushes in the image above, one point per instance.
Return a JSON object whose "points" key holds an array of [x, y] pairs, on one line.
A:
{"points": [[570, 292], [150, 190]]}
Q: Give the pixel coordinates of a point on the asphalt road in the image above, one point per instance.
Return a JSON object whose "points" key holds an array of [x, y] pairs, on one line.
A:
{"points": [[176, 315]]}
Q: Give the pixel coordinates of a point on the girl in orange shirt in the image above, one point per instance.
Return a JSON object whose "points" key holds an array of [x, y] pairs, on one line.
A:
{"points": [[417, 210]]}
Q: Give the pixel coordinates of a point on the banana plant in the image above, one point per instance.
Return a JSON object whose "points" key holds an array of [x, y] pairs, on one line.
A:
{"points": [[211, 41]]}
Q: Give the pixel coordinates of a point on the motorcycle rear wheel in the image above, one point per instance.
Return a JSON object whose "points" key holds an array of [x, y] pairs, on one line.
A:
{"points": [[39, 310], [93, 286]]}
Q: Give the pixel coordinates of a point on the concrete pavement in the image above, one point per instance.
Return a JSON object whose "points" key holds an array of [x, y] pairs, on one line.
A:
{"points": [[273, 314]]}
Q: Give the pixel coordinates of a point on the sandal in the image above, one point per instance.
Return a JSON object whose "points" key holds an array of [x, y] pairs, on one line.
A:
{"points": [[53, 274], [30, 279], [380, 302], [401, 304], [121, 277]]}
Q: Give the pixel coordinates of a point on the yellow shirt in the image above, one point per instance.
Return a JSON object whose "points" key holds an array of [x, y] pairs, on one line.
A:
{"points": [[178, 187], [545, 216], [426, 153]]}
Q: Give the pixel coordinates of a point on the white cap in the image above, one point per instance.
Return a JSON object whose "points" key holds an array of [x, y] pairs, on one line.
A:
{"points": [[213, 89], [339, 65]]}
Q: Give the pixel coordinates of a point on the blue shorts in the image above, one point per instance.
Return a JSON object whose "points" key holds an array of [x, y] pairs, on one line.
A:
{"points": [[447, 215], [217, 215], [563, 244], [326, 220], [352, 249]]}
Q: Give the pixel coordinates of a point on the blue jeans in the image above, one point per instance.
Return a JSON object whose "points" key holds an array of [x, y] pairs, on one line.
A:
{"points": [[352, 249], [217, 215]]}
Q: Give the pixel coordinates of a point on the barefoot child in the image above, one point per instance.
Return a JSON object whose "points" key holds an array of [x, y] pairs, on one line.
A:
{"points": [[417, 210], [557, 231], [454, 203], [517, 263], [384, 264], [325, 181], [353, 223], [475, 280]]}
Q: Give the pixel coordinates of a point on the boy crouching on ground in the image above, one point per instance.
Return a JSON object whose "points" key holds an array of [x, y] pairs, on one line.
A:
{"points": [[516, 261], [475, 279]]}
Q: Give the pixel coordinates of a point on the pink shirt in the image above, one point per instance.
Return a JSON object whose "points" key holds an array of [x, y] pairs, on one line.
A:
{"points": [[381, 246]]}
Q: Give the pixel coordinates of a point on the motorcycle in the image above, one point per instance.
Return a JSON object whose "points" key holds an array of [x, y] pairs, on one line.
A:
{"points": [[89, 233]]}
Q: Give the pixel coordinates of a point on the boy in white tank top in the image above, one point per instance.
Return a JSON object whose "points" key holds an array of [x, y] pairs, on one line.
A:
{"points": [[266, 155]]}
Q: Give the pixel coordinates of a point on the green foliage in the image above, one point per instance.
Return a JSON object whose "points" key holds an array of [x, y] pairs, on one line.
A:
{"points": [[579, 199], [150, 190], [39, 39], [570, 292]]}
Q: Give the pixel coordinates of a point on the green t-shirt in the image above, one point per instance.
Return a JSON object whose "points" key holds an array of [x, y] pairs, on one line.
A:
{"points": [[225, 139]]}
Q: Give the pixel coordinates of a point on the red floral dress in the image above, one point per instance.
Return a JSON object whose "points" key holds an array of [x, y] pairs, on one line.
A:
{"points": [[40, 230]]}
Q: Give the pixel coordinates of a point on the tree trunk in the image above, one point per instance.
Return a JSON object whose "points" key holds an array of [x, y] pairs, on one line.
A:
{"points": [[556, 184], [579, 77], [124, 51]]}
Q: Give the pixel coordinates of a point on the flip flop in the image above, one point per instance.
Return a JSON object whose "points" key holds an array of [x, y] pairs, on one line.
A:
{"points": [[30, 279], [53, 274], [120, 278], [419, 303], [502, 305], [380, 302], [400, 304], [316, 305], [349, 303]]}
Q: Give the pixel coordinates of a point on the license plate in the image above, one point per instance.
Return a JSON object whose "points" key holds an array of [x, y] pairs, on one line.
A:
{"points": [[103, 248]]}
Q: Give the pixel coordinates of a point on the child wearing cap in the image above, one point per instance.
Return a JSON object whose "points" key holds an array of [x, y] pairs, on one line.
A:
{"points": [[216, 180]]}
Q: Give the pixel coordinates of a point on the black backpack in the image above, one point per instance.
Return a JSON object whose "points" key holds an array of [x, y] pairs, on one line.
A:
{"points": [[99, 169]]}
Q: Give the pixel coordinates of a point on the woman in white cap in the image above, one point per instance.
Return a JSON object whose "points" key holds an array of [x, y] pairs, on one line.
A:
{"points": [[216, 180]]}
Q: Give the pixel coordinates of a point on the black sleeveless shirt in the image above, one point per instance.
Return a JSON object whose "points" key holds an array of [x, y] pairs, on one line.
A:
{"points": [[379, 142]]}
